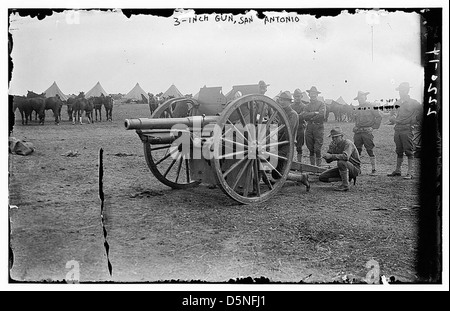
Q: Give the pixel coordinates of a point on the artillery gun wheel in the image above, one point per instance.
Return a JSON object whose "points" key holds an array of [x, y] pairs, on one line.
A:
{"points": [[251, 130], [168, 164]]}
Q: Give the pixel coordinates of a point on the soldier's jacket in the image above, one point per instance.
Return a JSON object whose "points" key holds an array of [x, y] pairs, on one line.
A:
{"points": [[299, 107], [345, 150], [293, 124], [367, 118], [408, 114], [310, 109]]}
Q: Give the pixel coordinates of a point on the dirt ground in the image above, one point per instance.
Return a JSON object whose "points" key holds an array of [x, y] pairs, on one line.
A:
{"points": [[150, 232]]}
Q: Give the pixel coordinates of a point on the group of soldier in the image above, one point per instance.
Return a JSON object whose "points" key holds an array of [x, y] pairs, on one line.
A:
{"points": [[307, 121]]}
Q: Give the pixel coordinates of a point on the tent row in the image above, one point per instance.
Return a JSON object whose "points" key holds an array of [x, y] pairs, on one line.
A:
{"points": [[135, 93]]}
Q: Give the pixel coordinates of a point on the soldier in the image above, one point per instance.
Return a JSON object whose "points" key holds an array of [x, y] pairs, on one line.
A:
{"points": [[366, 120], [347, 156], [314, 114], [262, 87], [285, 101], [299, 107], [407, 116]]}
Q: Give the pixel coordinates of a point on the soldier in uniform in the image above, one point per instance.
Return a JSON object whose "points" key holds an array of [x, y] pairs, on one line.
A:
{"points": [[348, 163], [314, 114], [285, 101], [262, 87], [367, 119], [407, 116], [299, 107]]}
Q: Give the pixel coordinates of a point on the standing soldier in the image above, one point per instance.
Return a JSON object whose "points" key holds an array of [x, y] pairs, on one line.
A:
{"points": [[262, 87], [285, 102], [367, 119], [407, 116], [299, 107], [314, 114]]}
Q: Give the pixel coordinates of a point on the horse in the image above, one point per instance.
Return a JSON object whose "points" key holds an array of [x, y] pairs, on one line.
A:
{"points": [[78, 107], [55, 104], [348, 113], [98, 102], [23, 104], [336, 109], [152, 102], [70, 102], [37, 102], [108, 103], [89, 109]]}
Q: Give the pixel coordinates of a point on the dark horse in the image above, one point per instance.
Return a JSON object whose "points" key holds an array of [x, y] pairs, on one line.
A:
{"points": [[98, 102], [78, 106], [337, 109], [55, 104], [37, 102], [89, 109], [108, 103], [23, 104]]}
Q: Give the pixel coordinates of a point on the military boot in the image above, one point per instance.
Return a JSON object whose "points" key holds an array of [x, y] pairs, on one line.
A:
{"points": [[300, 178], [344, 186], [409, 174], [312, 160], [398, 169]]}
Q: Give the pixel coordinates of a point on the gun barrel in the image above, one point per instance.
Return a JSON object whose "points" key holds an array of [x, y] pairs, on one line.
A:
{"points": [[168, 123]]}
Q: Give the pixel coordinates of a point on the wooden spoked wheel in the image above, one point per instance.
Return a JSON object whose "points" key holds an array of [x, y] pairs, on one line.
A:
{"points": [[252, 149], [169, 163]]}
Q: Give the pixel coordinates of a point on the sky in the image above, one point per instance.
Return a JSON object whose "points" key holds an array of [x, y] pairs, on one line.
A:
{"points": [[371, 51]]}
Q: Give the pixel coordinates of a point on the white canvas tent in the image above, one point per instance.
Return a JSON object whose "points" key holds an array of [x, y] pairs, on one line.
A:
{"points": [[53, 90], [172, 91], [97, 90], [341, 101], [136, 92]]}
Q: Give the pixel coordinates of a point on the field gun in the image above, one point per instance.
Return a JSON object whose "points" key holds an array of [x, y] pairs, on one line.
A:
{"points": [[234, 144]]}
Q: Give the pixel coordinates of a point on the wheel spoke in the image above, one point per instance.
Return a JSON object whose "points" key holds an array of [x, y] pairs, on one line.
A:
{"points": [[159, 148], [180, 156], [264, 176], [272, 117], [234, 143], [248, 180], [239, 176], [235, 128], [241, 116], [167, 155], [251, 107], [231, 154], [234, 166], [271, 166], [270, 135], [263, 111], [278, 143], [171, 164], [276, 155], [188, 177], [255, 117], [256, 178]]}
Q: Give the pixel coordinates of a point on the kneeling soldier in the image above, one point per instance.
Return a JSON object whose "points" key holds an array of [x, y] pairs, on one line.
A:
{"points": [[348, 163]]}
